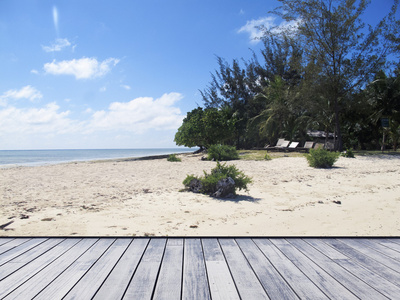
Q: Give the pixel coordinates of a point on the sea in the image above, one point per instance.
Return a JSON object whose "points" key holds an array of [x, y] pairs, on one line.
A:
{"points": [[11, 158]]}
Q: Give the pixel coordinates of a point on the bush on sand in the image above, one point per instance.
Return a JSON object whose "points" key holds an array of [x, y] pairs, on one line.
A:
{"points": [[321, 158]]}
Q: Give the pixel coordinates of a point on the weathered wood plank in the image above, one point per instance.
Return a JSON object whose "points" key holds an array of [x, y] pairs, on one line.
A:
{"points": [[23, 274], [169, 283], [272, 281], [60, 286], [315, 271], [5, 241], [12, 244], [195, 284], [46, 274], [220, 279], [378, 256], [246, 281], [18, 250], [347, 279], [366, 261], [390, 243], [16, 263], [384, 286], [380, 248], [160, 268], [144, 279], [116, 283], [300, 283], [87, 287]]}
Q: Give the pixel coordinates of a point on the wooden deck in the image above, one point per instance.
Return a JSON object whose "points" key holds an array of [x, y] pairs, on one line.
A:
{"points": [[199, 268]]}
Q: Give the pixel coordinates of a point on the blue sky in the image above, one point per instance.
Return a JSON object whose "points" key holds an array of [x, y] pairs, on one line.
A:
{"points": [[116, 74]]}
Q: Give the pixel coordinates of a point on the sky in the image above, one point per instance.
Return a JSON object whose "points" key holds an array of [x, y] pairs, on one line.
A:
{"points": [[95, 74]]}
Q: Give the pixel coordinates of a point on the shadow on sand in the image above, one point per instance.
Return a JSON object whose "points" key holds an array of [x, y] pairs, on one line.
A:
{"points": [[240, 198]]}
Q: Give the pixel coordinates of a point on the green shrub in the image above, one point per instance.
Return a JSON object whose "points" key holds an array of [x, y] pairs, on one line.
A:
{"points": [[222, 153], [173, 157], [209, 181], [188, 179], [348, 153], [267, 157], [320, 158]]}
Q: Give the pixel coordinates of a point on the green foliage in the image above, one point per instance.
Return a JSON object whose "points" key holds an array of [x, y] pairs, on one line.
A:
{"points": [[335, 74], [188, 179], [222, 153], [203, 128], [348, 153], [173, 158], [221, 171], [321, 158], [267, 157]]}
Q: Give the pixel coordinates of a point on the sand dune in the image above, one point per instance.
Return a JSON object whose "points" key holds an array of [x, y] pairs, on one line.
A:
{"points": [[128, 198]]}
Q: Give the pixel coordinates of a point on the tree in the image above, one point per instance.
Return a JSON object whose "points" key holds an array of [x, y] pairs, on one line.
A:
{"points": [[333, 37], [191, 133], [384, 96], [232, 89], [205, 127]]}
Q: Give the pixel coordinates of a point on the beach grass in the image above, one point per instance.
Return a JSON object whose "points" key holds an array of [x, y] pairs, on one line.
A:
{"points": [[260, 154]]}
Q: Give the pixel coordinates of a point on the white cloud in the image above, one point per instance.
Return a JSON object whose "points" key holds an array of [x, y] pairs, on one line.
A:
{"points": [[27, 92], [103, 89], [84, 68], [127, 87], [254, 27], [140, 115], [144, 122], [58, 45], [33, 71], [36, 120]]}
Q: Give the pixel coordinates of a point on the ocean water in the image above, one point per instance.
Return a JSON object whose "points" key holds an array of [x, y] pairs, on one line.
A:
{"points": [[10, 158]]}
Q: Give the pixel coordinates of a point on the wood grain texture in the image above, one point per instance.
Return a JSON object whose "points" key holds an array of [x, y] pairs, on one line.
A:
{"points": [[300, 283], [116, 283], [199, 268], [169, 283], [246, 281], [60, 286], [144, 279], [274, 284], [195, 283], [220, 280]]}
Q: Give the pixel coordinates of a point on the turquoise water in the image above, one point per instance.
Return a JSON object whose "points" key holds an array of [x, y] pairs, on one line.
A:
{"points": [[43, 157]]}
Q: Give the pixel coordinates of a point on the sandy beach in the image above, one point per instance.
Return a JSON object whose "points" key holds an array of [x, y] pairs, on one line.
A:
{"points": [[359, 197]]}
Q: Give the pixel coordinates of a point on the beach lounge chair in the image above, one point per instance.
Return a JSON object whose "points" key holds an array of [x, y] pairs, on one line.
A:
{"points": [[278, 144], [292, 146], [318, 146], [307, 146], [283, 146]]}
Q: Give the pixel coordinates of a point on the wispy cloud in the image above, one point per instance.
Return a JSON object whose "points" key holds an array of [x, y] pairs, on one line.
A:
{"points": [[254, 27], [27, 92], [84, 68], [55, 19], [57, 45], [127, 87]]}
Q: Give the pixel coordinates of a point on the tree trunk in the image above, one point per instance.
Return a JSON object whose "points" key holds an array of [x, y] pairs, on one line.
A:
{"points": [[339, 142]]}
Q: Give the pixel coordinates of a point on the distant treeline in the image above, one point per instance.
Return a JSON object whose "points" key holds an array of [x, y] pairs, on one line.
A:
{"points": [[327, 71]]}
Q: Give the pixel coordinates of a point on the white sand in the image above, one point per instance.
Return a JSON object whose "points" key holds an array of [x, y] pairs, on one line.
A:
{"points": [[287, 198]]}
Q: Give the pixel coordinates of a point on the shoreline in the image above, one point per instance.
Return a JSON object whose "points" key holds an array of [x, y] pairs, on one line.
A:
{"points": [[94, 160], [141, 197]]}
